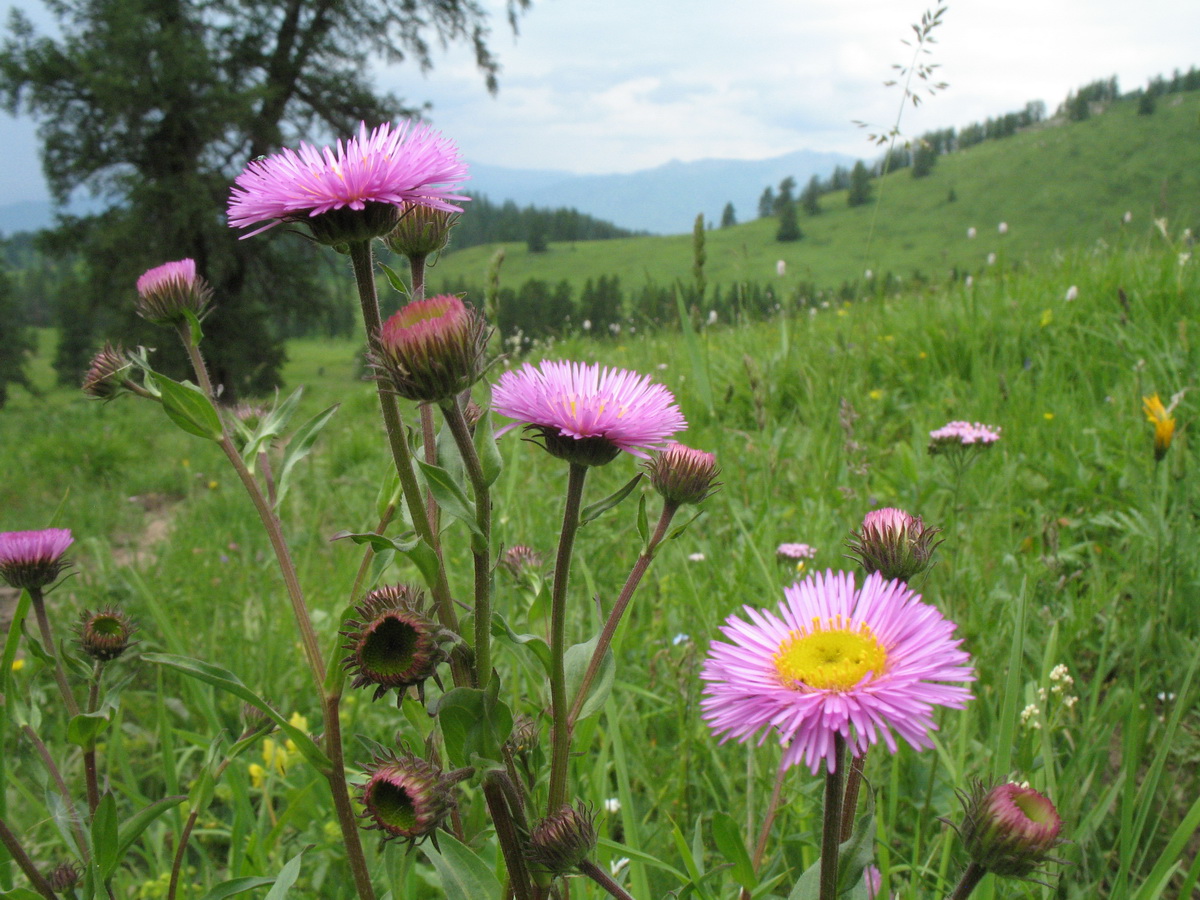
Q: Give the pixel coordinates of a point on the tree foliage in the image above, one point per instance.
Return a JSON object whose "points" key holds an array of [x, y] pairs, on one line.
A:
{"points": [[15, 338], [860, 185], [155, 105]]}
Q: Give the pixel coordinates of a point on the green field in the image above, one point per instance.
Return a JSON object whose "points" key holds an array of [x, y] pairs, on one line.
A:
{"points": [[1065, 544], [1059, 187]]}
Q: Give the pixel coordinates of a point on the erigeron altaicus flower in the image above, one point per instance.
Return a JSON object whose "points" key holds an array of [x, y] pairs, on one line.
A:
{"points": [[588, 415], [683, 475], [432, 350], [107, 373], [958, 434], [33, 559], [408, 798], [893, 543], [1010, 829], [867, 664], [353, 191], [168, 292]]}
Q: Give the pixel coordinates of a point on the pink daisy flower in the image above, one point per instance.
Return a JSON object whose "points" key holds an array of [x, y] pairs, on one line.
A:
{"points": [[965, 434], [586, 414], [391, 165], [793, 552], [33, 559], [165, 291], [862, 663]]}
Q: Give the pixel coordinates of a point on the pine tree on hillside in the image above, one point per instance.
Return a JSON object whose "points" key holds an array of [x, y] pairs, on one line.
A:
{"points": [[728, 217], [15, 338], [860, 185], [924, 157], [766, 203], [789, 228], [810, 199]]}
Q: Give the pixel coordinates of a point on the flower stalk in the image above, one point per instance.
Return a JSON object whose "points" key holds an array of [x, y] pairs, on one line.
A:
{"points": [[36, 879], [831, 831]]}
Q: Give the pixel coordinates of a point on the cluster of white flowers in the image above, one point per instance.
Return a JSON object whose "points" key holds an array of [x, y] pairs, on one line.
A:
{"points": [[1030, 716]]}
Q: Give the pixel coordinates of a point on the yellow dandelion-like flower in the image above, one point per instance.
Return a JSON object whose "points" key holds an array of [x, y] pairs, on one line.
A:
{"points": [[257, 775], [1162, 420]]}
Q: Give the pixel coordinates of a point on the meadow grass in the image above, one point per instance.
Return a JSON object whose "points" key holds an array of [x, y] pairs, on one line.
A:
{"points": [[1065, 544]]}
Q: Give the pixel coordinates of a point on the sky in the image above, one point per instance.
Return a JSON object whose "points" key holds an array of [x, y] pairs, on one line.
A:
{"points": [[602, 86]]}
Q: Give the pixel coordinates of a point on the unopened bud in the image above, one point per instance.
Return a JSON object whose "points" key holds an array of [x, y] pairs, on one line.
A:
{"points": [[167, 291], [683, 475]]}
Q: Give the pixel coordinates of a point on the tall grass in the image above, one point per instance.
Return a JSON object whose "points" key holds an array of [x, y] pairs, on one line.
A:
{"points": [[1066, 544]]}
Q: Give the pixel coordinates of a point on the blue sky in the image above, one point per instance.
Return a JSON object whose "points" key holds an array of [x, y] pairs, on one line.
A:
{"points": [[621, 85]]}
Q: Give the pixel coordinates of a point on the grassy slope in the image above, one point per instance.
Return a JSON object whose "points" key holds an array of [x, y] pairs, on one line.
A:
{"points": [[1057, 187]]}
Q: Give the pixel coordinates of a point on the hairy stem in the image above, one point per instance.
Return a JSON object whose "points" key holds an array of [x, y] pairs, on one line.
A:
{"points": [[68, 802], [832, 827], [850, 804], [602, 878], [24, 863], [970, 879], [618, 610], [560, 731], [60, 674]]}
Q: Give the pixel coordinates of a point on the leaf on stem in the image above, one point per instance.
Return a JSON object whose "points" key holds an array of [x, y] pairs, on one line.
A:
{"points": [[575, 662], [600, 507], [188, 407], [300, 446], [449, 495]]}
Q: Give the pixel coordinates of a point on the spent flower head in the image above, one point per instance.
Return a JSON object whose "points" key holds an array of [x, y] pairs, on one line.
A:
{"points": [[392, 643], [1009, 829], [106, 634], [432, 350], [562, 840], [406, 797], [683, 475], [106, 373], [585, 414], [168, 292], [353, 191], [893, 543], [33, 559], [866, 663]]}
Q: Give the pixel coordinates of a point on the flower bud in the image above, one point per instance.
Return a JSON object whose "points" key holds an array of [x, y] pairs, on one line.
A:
{"points": [[106, 634], [893, 543], [562, 840], [256, 721], [107, 372], [524, 736], [167, 291], [406, 797], [422, 231], [1164, 423], [33, 559], [63, 877], [521, 561], [393, 644], [1010, 829], [683, 475], [432, 350]]}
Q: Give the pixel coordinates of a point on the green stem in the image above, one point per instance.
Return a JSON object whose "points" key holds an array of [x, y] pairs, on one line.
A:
{"points": [[560, 731], [480, 545], [602, 878], [68, 803], [89, 752], [970, 878], [336, 775], [618, 610], [24, 863], [832, 828], [850, 804], [503, 809], [364, 276], [60, 675]]}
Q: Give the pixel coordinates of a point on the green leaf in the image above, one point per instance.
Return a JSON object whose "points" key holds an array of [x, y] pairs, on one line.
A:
{"points": [[106, 845], [286, 878], [643, 524], [379, 542], [236, 886], [227, 681], [536, 644], [84, 728], [270, 426], [464, 875], [449, 495], [602, 506], [186, 406], [300, 446], [389, 493], [728, 838], [195, 332], [474, 723], [21, 894], [395, 280], [576, 661], [490, 459]]}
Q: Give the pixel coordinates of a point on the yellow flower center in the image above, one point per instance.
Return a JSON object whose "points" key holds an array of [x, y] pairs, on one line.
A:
{"points": [[832, 655]]}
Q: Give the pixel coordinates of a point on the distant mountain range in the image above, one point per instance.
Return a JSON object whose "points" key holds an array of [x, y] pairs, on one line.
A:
{"points": [[662, 200]]}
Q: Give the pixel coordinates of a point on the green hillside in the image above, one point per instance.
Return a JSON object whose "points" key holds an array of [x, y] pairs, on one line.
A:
{"points": [[1059, 186]]}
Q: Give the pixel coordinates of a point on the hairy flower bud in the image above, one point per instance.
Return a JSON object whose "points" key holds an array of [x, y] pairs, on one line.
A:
{"points": [[63, 877], [106, 634], [33, 559], [1009, 829], [683, 475], [521, 561], [562, 840], [167, 292], [393, 644], [422, 231], [408, 798], [893, 543], [432, 350], [107, 372]]}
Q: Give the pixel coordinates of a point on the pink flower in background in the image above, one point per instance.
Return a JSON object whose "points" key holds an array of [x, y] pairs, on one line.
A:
{"points": [[586, 413], [964, 434], [865, 664], [795, 551], [391, 164], [33, 559]]}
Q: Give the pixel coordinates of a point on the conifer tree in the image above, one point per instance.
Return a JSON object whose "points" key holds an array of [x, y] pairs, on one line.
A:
{"points": [[728, 217], [789, 228], [810, 198], [860, 185], [766, 203]]}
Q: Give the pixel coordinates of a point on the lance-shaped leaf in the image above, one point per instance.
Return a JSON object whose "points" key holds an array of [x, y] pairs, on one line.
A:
{"points": [[602, 506], [300, 446], [188, 407]]}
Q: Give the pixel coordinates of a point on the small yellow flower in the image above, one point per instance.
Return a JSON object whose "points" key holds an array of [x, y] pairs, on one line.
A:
{"points": [[1047, 416], [185, 462], [1047, 318], [212, 485], [257, 775], [876, 394], [922, 355], [842, 312], [18, 665], [1162, 420], [275, 755]]}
